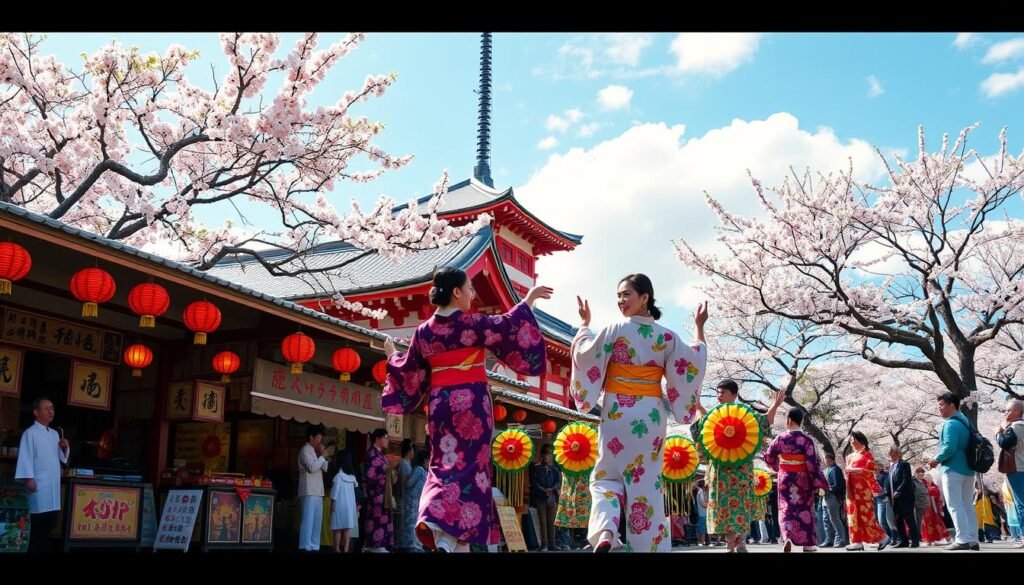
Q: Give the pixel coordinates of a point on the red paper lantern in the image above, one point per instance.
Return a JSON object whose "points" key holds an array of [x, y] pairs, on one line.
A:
{"points": [[92, 286], [226, 363], [138, 356], [519, 415], [380, 371], [500, 412], [202, 317], [148, 301], [346, 361], [15, 263], [549, 426], [298, 348]]}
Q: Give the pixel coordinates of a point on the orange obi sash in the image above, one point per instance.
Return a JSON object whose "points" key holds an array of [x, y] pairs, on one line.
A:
{"points": [[460, 366], [793, 462], [634, 380]]}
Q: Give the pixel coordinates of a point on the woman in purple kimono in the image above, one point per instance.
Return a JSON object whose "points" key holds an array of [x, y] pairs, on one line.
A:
{"points": [[445, 365], [792, 454], [379, 529]]}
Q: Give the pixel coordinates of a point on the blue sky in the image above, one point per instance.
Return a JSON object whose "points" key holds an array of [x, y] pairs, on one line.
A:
{"points": [[592, 128]]}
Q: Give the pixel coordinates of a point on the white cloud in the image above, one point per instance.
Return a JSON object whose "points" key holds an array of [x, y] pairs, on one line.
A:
{"points": [[556, 123], [547, 143], [965, 40], [588, 130], [1005, 51], [713, 54], [999, 84], [875, 88], [573, 115], [625, 48], [630, 195], [614, 97]]}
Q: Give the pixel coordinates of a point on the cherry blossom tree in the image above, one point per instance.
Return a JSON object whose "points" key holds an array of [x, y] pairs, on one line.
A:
{"points": [[129, 148], [917, 267]]}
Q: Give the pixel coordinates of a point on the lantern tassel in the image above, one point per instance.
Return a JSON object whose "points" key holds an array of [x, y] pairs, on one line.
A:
{"points": [[147, 321], [296, 368], [5, 286], [225, 378], [199, 339], [344, 377], [90, 310], [136, 373]]}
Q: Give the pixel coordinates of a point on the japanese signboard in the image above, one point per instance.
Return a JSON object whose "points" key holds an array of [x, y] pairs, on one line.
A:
{"points": [[60, 336], [275, 380], [179, 400], [205, 443], [11, 361], [178, 519], [90, 385], [208, 403], [104, 512]]}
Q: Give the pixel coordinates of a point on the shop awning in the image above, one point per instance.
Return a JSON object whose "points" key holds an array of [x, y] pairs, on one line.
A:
{"points": [[311, 398]]}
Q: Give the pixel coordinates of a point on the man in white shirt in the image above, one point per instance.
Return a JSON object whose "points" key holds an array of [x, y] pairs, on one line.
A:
{"points": [[41, 452], [312, 464]]}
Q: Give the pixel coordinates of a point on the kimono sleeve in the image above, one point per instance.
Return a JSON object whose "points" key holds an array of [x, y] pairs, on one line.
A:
{"points": [[684, 372], [771, 455], [515, 339], [407, 380], [589, 364]]}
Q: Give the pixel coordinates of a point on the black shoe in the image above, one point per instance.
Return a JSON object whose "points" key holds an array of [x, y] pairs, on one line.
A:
{"points": [[915, 545], [975, 546], [826, 545], [902, 545]]}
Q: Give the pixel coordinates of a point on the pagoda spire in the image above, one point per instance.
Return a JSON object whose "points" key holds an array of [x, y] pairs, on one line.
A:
{"points": [[482, 170]]}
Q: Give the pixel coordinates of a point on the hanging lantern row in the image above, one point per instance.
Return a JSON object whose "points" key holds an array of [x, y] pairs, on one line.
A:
{"points": [[380, 371], [138, 357], [346, 361], [92, 286], [519, 415], [201, 317], [226, 363], [15, 262], [148, 301], [500, 412], [298, 348]]}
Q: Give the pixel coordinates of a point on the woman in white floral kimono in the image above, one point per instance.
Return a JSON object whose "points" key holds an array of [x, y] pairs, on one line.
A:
{"points": [[620, 368]]}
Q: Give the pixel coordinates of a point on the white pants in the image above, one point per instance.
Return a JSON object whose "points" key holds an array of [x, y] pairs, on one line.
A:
{"points": [[958, 490], [309, 526], [631, 444]]}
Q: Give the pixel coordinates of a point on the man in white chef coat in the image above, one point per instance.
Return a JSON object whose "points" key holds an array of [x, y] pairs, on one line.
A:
{"points": [[41, 452]]}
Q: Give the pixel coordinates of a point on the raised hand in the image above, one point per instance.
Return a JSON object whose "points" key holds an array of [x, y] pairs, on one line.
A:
{"points": [[584, 310], [538, 292], [389, 346]]}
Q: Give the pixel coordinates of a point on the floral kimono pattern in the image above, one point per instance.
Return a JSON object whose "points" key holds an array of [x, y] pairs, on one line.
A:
{"points": [[379, 530], [574, 501], [632, 430], [457, 495], [861, 488], [731, 499], [796, 486]]}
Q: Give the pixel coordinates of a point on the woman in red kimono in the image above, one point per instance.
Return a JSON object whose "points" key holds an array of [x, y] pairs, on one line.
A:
{"points": [[861, 488]]}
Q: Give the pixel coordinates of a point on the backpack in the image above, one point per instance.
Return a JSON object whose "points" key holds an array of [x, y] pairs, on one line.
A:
{"points": [[980, 455]]}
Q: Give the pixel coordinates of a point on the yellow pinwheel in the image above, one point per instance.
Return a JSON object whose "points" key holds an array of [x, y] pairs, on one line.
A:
{"points": [[512, 450], [762, 482], [576, 448], [680, 460], [730, 434]]}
